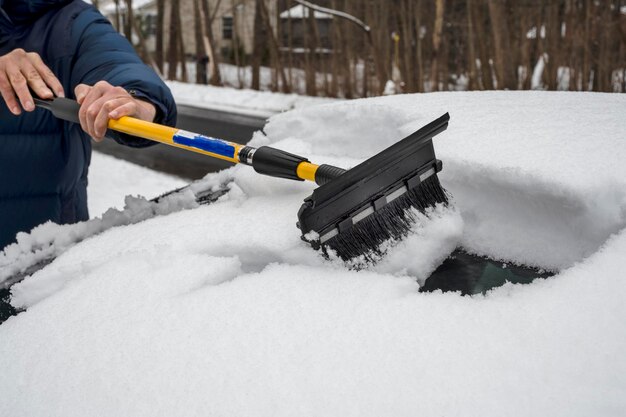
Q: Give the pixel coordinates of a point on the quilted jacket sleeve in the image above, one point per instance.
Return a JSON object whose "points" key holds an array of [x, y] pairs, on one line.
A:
{"points": [[103, 54]]}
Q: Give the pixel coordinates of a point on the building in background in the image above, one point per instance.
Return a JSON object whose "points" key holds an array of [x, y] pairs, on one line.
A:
{"points": [[296, 28], [232, 22]]}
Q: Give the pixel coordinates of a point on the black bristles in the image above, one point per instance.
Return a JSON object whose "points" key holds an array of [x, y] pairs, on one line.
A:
{"points": [[394, 221], [362, 212]]}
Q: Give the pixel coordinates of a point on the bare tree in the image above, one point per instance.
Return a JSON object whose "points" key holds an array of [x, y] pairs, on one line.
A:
{"points": [[437, 39], [128, 25], [118, 25], [502, 48], [494, 43], [173, 51], [159, 33], [207, 34], [259, 45], [273, 44], [201, 55], [471, 50]]}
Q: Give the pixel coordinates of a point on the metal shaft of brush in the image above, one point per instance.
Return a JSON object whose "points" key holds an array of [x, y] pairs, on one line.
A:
{"points": [[265, 159]]}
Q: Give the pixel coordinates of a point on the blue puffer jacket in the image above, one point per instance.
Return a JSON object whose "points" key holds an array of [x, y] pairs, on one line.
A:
{"points": [[44, 161]]}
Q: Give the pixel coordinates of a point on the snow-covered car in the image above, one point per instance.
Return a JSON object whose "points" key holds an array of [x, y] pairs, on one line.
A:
{"points": [[187, 309]]}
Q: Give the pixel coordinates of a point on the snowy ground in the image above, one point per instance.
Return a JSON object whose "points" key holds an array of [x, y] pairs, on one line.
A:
{"points": [[222, 310], [256, 103]]}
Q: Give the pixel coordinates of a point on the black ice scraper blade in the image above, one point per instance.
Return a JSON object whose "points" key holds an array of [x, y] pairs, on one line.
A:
{"points": [[356, 212]]}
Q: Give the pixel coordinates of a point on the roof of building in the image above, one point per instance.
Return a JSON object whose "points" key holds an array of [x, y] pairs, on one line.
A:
{"points": [[301, 12]]}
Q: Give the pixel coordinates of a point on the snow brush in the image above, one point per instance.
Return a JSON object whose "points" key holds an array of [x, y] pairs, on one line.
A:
{"points": [[353, 212]]}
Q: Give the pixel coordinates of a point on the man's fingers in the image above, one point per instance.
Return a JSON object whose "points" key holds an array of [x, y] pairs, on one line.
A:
{"points": [[22, 72], [34, 80], [87, 114], [91, 112], [129, 108], [102, 120], [20, 86], [6, 89], [46, 74], [102, 102], [81, 91]]}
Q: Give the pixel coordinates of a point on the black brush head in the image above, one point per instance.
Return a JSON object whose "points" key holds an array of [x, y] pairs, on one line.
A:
{"points": [[392, 222], [355, 213]]}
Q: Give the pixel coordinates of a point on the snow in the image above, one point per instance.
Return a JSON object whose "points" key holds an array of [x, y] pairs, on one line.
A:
{"points": [[111, 179], [222, 309], [118, 194], [250, 102], [110, 7], [301, 12]]}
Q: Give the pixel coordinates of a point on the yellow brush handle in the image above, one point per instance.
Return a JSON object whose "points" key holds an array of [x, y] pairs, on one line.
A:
{"points": [[217, 148], [177, 137], [265, 160]]}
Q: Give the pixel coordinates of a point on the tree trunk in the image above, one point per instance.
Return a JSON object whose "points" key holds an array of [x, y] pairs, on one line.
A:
{"points": [[419, 61], [336, 64], [553, 44], [609, 45], [587, 47], [209, 42], [236, 43], [274, 50], [502, 48], [159, 34], [481, 24], [201, 56], [259, 45], [407, 29], [346, 59], [437, 35], [527, 47], [128, 25], [471, 52], [377, 37], [118, 23], [311, 70], [172, 51], [182, 58]]}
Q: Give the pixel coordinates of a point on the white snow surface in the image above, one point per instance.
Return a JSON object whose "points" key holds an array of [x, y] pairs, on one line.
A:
{"points": [[301, 12], [118, 194], [223, 310], [244, 101], [112, 179]]}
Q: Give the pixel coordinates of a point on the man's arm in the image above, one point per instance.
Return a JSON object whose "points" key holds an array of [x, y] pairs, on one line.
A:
{"points": [[21, 72], [102, 54], [103, 59]]}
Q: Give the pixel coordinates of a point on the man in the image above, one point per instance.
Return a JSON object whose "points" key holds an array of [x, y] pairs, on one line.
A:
{"points": [[63, 48]]}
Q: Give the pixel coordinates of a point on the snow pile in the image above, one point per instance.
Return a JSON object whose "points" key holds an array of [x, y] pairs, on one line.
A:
{"points": [[533, 187], [222, 309]]}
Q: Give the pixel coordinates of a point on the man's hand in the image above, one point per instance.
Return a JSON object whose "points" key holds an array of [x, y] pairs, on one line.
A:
{"points": [[102, 102], [18, 71]]}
